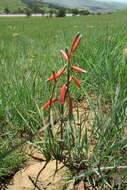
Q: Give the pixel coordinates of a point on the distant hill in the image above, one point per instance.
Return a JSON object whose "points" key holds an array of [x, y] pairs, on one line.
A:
{"points": [[12, 5], [94, 5]]}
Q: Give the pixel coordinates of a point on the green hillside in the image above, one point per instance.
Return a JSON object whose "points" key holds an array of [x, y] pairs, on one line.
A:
{"points": [[89, 4], [12, 5]]}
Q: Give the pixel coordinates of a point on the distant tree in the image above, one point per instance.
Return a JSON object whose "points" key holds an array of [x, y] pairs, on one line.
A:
{"points": [[75, 11], [6, 10], [84, 12], [28, 12], [61, 13], [98, 13], [42, 11]]}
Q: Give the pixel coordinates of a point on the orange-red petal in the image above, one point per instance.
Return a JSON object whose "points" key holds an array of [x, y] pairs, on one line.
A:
{"points": [[53, 100], [76, 42], [76, 81], [65, 55], [57, 75], [78, 69], [62, 94]]}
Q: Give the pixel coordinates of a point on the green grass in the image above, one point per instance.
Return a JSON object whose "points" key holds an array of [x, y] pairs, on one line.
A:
{"points": [[12, 5], [29, 53]]}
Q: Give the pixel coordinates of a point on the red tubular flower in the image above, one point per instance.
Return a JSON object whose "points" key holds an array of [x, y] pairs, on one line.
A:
{"points": [[53, 100], [76, 81], [78, 69], [65, 55], [57, 75], [76, 42], [62, 94]]}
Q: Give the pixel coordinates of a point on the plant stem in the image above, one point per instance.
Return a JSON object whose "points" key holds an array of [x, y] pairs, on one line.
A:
{"points": [[52, 94]]}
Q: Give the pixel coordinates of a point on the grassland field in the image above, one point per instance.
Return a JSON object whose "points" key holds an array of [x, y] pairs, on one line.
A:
{"points": [[30, 52]]}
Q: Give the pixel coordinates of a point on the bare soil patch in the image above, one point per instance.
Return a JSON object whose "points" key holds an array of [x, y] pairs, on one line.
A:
{"points": [[23, 179]]}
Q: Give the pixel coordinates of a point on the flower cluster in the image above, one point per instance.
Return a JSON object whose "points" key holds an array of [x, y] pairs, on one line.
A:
{"points": [[64, 91]]}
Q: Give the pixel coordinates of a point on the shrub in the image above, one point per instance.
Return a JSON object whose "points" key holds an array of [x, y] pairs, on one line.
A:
{"points": [[75, 11], [84, 12], [61, 13], [28, 12], [6, 10]]}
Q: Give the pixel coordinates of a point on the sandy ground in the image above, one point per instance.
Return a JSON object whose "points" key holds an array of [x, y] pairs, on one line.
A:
{"points": [[46, 180]]}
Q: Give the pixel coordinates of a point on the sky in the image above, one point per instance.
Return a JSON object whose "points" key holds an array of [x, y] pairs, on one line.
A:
{"points": [[120, 1]]}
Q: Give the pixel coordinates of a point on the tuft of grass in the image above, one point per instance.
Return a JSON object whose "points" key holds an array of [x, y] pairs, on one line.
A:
{"points": [[91, 144]]}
